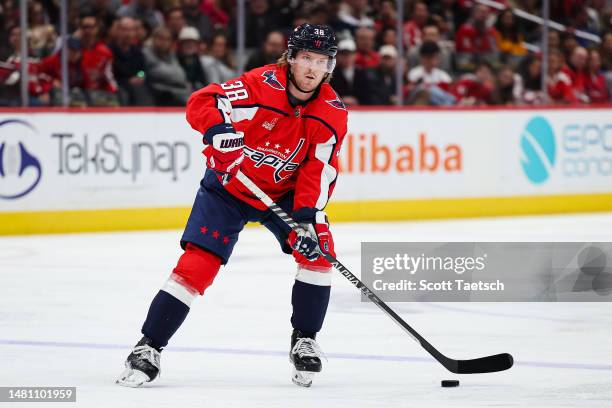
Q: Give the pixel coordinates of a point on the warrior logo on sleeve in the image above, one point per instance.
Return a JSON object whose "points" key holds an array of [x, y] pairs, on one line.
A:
{"points": [[271, 80]]}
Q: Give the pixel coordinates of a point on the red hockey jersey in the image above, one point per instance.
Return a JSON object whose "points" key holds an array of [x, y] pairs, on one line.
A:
{"points": [[286, 148]]}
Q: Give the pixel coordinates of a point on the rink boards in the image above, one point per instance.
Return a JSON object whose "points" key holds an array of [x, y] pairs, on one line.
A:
{"points": [[88, 170]]}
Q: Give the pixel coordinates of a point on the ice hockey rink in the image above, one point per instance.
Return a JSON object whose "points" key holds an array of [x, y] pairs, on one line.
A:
{"points": [[71, 307]]}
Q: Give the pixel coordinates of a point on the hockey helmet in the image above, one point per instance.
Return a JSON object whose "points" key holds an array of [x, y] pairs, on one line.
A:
{"points": [[316, 38]]}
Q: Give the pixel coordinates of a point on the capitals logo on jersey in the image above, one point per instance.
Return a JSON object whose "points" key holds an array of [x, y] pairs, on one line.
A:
{"points": [[337, 103], [271, 157], [271, 80]]}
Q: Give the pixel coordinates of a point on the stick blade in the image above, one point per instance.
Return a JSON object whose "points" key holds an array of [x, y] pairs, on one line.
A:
{"points": [[489, 364]]}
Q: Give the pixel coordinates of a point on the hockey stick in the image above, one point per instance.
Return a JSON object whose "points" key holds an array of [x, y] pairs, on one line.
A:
{"points": [[488, 364]]}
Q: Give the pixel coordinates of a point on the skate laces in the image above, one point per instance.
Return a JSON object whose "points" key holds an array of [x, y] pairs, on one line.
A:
{"points": [[306, 347], [148, 353]]}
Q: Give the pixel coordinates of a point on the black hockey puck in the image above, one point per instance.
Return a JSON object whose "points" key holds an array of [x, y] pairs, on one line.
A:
{"points": [[450, 383]]}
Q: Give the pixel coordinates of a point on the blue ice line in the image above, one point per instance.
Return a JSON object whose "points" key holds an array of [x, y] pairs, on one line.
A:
{"points": [[346, 356]]}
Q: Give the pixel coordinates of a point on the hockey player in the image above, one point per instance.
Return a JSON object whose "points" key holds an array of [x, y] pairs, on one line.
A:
{"points": [[282, 125]]}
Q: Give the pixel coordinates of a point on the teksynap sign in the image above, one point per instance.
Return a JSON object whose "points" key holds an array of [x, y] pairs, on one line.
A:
{"points": [[574, 150], [36, 154]]}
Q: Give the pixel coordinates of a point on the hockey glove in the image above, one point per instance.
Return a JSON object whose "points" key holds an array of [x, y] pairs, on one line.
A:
{"points": [[224, 152], [313, 236]]}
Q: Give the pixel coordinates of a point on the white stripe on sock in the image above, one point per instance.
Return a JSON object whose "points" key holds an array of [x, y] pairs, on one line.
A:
{"points": [[313, 277], [179, 291]]}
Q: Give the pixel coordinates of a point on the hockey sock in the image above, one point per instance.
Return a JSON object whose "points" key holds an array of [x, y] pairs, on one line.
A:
{"points": [[309, 306], [166, 314]]}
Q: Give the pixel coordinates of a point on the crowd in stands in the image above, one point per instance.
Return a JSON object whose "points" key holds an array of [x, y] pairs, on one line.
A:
{"points": [[457, 52]]}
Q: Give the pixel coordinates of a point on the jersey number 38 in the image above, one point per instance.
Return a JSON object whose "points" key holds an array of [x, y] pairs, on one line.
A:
{"points": [[235, 91]]}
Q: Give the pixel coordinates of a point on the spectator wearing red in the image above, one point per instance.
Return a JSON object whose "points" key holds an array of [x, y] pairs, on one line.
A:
{"points": [[578, 73], [413, 28], [52, 67], [596, 81], [475, 41], [475, 36], [10, 53], [97, 65], [476, 89], [218, 17], [366, 56], [10, 76], [559, 84]]}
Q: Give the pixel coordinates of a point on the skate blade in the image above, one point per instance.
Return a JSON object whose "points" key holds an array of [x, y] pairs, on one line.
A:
{"points": [[302, 378], [132, 378]]}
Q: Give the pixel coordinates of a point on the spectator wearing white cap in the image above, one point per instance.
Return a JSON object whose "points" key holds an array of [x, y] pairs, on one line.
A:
{"points": [[386, 75], [189, 58], [356, 86], [343, 80]]}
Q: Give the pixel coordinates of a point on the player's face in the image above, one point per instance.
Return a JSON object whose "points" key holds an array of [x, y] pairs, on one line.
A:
{"points": [[309, 69]]}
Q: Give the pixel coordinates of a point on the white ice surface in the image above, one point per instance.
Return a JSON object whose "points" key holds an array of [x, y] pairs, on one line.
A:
{"points": [[71, 306]]}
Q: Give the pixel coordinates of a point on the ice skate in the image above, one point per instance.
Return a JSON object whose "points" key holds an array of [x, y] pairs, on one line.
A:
{"points": [[305, 356], [142, 365]]}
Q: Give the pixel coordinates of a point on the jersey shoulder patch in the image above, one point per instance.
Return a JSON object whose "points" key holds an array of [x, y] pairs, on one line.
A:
{"points": [[269, 78], [336, 103], [330, 96]]}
